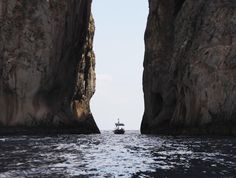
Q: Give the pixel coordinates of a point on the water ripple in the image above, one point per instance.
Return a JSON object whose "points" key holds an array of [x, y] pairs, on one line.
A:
{"points": [[109, 155]]}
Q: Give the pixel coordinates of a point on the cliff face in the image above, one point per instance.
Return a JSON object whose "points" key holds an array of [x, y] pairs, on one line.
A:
{"points": [[46, 64], [189, 78]]}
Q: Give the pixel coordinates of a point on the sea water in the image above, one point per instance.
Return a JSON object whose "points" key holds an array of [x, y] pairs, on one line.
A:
{"points": [[110, 155]]}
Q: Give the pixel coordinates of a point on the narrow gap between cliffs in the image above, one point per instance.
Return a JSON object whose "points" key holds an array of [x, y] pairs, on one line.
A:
{"points": [[119, 50]]}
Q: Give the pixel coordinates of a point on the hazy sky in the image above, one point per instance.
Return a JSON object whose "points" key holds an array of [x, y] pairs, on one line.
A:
{"points": [[119, 49]]}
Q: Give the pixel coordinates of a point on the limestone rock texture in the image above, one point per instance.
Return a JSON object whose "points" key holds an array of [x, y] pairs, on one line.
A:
{"points": [[47, 66], [189, 78]]}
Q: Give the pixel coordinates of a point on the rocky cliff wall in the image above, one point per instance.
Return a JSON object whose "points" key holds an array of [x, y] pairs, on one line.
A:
{"points": [[189, 78], [46, 65]]}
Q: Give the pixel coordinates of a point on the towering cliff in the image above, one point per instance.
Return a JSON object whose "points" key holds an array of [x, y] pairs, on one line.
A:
{"points": [[189, 78], [46, 65]]}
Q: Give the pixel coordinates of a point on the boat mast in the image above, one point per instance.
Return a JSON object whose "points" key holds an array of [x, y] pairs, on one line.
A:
{"points": [[118, 123]]}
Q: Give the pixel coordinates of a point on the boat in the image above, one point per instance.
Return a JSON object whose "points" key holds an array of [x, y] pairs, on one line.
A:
{"points": [[119, 129]]}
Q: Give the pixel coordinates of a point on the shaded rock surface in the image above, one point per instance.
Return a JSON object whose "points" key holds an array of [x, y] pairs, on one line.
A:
{"points": [[189, 78], [46, 65]]}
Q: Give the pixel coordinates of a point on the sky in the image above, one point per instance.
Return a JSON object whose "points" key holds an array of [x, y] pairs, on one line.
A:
{"points": [[119, 50]]}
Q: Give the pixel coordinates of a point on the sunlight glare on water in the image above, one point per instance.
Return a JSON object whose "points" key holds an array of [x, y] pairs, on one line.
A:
{"points": [[109, 155]]}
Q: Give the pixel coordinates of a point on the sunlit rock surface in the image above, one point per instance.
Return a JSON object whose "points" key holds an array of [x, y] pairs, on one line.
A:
{"points": [[189, 78], [46, 66]]}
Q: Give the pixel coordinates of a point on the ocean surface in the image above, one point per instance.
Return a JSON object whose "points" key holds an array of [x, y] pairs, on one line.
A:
{"points": [[109, 155]]}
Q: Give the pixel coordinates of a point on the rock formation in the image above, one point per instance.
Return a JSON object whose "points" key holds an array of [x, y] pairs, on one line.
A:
{"points": [[189, 78], [46, 65]]}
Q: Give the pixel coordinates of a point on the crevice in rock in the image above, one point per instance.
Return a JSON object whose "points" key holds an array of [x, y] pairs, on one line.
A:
{"points": [[178, 6], [157, 103]]}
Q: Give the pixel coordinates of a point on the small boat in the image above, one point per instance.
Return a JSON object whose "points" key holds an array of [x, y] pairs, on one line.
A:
{"points": [[119, 129]]}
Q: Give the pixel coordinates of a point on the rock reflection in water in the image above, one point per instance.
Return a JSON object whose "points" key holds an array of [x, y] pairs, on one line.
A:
{"points": [[109, 155]]}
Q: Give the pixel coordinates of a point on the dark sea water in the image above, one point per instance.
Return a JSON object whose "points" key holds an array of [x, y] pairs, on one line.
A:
{"points": [[109, 155]]}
